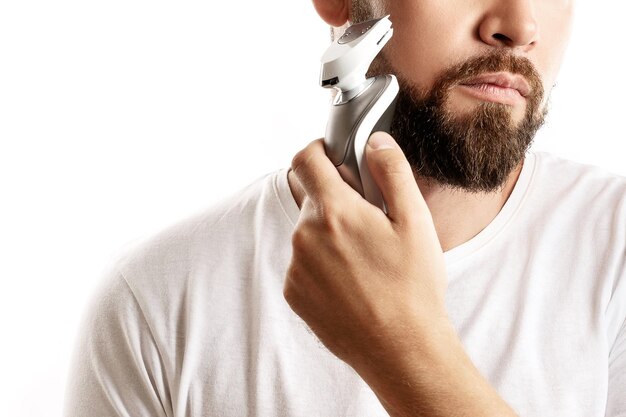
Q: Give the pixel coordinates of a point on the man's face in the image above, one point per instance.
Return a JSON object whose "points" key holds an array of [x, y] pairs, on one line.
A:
{"points": [[474, 77]]}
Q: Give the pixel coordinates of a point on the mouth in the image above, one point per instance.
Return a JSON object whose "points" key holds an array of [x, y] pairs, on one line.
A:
{"points": [[501, 87]]}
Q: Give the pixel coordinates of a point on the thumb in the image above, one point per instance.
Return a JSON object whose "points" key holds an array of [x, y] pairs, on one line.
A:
{"points": [[392, 173]]}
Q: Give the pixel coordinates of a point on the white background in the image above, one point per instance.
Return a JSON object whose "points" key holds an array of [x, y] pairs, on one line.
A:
{"points": [[120, 117]]}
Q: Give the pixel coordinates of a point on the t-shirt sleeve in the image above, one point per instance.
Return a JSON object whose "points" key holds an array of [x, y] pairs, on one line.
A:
{"points": [[616, 401], [116, 368]]}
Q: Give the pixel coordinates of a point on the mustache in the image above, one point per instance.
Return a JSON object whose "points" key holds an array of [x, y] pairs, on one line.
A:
{"points": [[494, 61], [475, 150]]}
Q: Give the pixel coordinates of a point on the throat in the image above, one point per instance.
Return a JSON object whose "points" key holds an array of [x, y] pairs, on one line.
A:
{"points": [[459, 216]]}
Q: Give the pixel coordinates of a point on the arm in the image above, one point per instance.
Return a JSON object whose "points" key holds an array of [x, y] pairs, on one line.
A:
{"points": [[372, 285], [433, 379], [115, 368], [616, 400]]}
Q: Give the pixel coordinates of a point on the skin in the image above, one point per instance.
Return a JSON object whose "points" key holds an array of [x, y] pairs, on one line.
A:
{"points": [[372, 285], [419, 50]]}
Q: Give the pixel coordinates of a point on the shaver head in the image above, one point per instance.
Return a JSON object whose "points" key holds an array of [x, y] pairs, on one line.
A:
{"points": [[346, 61]]}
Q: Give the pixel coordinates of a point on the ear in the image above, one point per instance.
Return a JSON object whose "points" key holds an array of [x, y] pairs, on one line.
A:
{"points": [[333, 12]]}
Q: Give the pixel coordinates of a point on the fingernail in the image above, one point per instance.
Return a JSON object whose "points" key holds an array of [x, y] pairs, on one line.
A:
{"points": [[380, 140]]}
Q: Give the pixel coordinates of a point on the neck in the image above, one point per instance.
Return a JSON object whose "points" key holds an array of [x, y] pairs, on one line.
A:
{"points": [[458, 216]]}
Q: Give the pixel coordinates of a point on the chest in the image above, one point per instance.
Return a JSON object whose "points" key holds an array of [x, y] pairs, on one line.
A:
{"points": [[535, 337], [536, 333]]}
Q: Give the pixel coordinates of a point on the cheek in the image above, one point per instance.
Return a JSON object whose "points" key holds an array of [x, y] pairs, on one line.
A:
{"points": [[555, 27], [426, 33]]}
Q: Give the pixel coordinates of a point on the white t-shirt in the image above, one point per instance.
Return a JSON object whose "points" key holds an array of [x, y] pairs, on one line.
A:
{"points": [[192, 321]]}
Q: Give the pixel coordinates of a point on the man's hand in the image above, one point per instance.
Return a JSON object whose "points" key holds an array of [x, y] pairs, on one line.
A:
{"points": [[360, 279], [371, 287]]}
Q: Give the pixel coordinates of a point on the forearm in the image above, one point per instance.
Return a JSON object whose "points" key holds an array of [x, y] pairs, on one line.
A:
{"points": [[435, 379]]}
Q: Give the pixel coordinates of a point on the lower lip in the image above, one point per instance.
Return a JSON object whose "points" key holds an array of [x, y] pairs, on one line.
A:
{"points": [[493, 93]]}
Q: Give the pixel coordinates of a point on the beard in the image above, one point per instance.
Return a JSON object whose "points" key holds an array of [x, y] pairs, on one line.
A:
{"points": [[475, 151]]}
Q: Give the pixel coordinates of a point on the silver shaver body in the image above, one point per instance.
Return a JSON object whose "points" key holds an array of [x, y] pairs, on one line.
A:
{"points": [[361, 106], [350, 125]]}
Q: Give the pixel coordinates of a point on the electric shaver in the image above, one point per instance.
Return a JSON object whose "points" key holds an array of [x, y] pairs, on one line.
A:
{"points": [[361, 106]]}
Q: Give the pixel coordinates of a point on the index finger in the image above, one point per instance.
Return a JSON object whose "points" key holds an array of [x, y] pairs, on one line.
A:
{"points": [[318, 175]]}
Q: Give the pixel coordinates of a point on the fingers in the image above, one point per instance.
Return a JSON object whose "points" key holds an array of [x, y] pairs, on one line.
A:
{"points": [[389, 169], [393, 175], [318, 176]]}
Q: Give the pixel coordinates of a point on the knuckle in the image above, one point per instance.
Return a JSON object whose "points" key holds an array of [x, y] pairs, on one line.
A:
{"points": [[303, 157], [289, 293], [326, 220], [300, 159], [299, 240], [291, 277], [330, 216], [293, 291]]}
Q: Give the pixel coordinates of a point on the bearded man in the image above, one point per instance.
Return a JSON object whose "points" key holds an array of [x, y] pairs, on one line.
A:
{"points": [[495, 284]]}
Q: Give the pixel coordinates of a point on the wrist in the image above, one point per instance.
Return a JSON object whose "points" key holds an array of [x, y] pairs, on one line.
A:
{"points": [[412, 347], [433, 378]]}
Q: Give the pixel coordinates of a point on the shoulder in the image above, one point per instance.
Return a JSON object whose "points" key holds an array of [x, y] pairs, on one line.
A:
{"points": [[560, 172], [161, 267], [182, 239], [570, 185], [581, 207]]}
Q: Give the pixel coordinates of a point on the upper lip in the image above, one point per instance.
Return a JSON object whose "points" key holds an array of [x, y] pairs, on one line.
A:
{"points": [[502, 79]]}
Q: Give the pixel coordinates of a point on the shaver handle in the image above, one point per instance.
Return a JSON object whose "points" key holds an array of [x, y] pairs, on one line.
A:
{"points": [[349, 127]]}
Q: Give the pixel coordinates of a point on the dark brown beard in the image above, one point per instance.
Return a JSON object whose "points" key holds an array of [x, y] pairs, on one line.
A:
{"points": [[474, 152]]}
